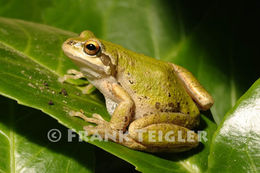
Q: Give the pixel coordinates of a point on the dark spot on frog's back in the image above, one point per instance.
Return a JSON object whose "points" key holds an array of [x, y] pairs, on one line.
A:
{"points": [[178, 105], [157, 105], [144, 115], [131, 82], [171, 104]]}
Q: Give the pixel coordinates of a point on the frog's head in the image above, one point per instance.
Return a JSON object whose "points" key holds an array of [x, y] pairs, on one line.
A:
{"points": [[91, 55]]}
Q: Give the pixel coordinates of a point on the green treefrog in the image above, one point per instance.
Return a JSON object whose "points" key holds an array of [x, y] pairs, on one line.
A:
{"points": [[154, 103]]}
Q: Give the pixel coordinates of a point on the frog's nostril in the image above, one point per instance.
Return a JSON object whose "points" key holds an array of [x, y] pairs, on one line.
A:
{"points": [[70, 42]]}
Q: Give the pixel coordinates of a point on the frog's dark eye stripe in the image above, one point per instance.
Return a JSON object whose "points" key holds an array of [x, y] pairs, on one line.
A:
{"points": [[91, 47]]}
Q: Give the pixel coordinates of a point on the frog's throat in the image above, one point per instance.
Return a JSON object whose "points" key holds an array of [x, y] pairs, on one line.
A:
{"points": [[89, 70]]}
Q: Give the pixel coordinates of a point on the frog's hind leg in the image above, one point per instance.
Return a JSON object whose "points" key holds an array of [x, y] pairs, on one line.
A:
{"points": [[194, 88], [142, 131], [161, 133]]}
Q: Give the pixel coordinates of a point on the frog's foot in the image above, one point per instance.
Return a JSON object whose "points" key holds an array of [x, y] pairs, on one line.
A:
{"points": [[96, 118], [71, 74]]}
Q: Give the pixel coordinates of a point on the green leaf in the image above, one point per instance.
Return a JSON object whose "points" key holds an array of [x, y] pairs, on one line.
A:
{"points": [[235, 146], [24, 146], [30, 69]]}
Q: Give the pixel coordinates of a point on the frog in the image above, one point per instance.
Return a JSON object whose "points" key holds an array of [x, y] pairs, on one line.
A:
{"points": [[152, 102]]}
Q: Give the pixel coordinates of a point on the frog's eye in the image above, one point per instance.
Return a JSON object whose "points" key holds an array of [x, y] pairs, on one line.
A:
{"points": [[91, 47]]}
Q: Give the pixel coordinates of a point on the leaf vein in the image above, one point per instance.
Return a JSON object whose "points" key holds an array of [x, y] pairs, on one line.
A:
{"points": [[7, 137], [28, 44], [68, 165]]}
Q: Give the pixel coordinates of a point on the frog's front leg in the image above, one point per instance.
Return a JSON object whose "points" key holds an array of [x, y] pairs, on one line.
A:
{"points": [[120, 119], [122, 114], [124, 111], [71, 74]]}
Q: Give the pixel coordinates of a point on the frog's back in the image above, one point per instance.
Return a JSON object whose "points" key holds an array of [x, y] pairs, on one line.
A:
{"points": [[153, 85]]}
